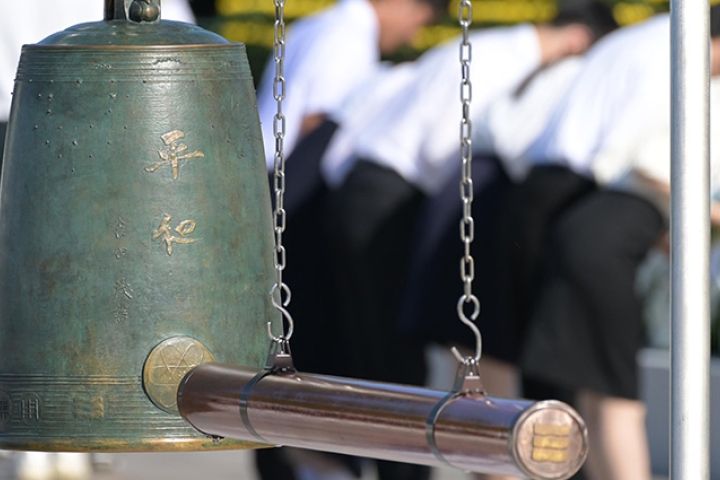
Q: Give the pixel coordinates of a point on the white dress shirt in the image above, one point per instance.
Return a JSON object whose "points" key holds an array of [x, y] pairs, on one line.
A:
{"points": [[512, 122], [327, 56], [358, 112], [417, 133], [651, 159], [29, 21], [621, 96], [614, 123]]}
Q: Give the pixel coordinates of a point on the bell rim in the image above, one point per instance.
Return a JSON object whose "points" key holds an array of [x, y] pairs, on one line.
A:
{"points": [[186, 444]]}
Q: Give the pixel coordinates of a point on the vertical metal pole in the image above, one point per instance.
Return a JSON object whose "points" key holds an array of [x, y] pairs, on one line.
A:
{"points": [[690, 235]]}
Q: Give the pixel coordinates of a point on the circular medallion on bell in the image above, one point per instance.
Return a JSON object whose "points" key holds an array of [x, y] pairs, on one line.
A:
{"points": [[167, 365]]}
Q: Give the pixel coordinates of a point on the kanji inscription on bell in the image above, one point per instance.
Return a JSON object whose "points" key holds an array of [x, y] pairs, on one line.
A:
{"points": [[119, 227], [122, 287], [173, 154], [121, 313], [164, 233]]}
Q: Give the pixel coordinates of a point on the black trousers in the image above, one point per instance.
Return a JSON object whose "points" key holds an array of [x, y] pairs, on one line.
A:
{"points": [[313, 305], [429, 307], [346, 283], [522, 235], [370, 225], [585, 331]]}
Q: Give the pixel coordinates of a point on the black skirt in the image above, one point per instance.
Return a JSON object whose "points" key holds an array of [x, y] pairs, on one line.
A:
{"points": [[586, 328], [370, 224]]}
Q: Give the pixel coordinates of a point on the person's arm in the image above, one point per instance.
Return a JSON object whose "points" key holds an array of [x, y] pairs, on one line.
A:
{"points": [[659, 186], [663, 188], [715, 213]]}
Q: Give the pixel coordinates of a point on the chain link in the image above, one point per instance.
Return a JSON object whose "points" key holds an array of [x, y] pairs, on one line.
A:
{"points": [[279, 215], [467, 224]]}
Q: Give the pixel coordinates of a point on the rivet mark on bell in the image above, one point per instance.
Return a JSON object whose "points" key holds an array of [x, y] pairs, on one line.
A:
{"points": [[164, 233], [5, 408], [123, 287], [167, 365], [172, 155], [120, 252], [550, 443]]}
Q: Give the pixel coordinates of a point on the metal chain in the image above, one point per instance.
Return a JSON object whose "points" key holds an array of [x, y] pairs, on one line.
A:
{"points": [[467, 224], [279, 219]]}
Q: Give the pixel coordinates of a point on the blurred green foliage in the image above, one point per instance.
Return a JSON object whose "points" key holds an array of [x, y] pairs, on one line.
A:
{"points": [[251, 21]]}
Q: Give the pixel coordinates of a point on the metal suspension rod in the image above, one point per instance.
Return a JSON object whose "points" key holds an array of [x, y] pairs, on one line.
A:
{"points": [[690, 236], [464, 429]]}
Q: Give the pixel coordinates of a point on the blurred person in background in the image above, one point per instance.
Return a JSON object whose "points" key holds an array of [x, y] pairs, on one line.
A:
{"points": [[331, 53], [315, 346], [328, 56], [29, 22], [502, 132], [334, 145], [393, 159], [594, 202]]}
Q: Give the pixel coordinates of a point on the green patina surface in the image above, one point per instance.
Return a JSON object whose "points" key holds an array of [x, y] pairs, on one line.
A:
{"points": [[134, 208]]}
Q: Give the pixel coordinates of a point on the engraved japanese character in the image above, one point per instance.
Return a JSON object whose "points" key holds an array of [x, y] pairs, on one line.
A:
{"points": [[164, 233], [122, 286], [171, 156], [119, 228], [121, 313]]}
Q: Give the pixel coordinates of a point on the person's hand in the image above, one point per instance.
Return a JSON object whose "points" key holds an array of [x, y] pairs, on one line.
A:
{"points": [[557, 43], [663, 243]]}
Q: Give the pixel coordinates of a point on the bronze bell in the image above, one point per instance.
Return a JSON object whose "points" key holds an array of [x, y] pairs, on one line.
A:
{"points": [[135, 232]]}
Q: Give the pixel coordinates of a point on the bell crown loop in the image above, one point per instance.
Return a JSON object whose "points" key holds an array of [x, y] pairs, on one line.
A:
{"points": [[139, 11]]}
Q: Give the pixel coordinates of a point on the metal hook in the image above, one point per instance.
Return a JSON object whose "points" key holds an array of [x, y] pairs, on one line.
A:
{"points": [[281, 308], [470, 322], [285, 290]]}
